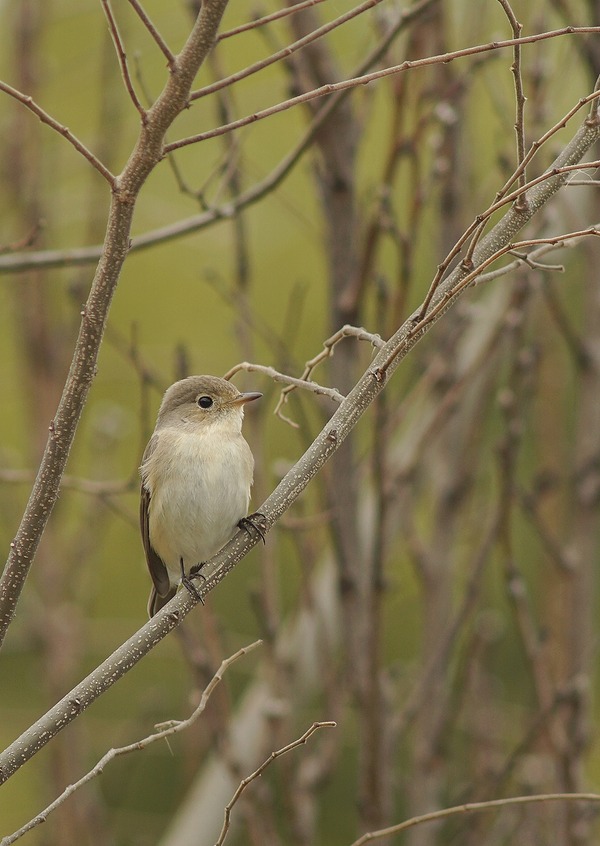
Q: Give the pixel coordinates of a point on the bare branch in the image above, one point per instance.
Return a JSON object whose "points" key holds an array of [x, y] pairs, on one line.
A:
{"points": [[519, 95], [88, 255], [163, 731], [589, 183], [472, 807], [293, 383], [147, 153], [519, 126], [275, 16], [118, 42], [30, 104], [354, 82], [24, 242], [154, 33], [87, 486], [346, 331], [476, 228], [258, 772], [555, 240], [464, 281], [342, 422], [531, 261], [577, 348], [284, 52]]}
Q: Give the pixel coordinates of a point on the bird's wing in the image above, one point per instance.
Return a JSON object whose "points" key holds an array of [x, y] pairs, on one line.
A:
{"points": [[156, 565]]}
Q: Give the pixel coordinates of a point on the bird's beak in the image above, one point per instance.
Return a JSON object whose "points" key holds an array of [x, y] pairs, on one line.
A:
{"points": [[246, 397]]}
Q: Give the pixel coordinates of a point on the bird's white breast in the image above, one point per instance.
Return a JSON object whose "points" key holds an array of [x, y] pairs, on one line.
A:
{"points": [[199, 483]]}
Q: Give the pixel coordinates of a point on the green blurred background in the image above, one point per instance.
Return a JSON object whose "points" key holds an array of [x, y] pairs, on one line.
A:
{"points": [[432, 148]]}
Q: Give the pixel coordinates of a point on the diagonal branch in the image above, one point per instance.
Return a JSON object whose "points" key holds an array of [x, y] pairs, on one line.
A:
{"points": [[475, 229], [291, 486], [365, 79], [266, 19], [472, 807], [284, 52], [162, 44], [88, 255], [30, 104], [260, 770], [162, 732], [122, 56]]}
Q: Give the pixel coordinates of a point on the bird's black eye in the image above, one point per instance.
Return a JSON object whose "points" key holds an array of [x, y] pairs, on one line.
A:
{"points": [[204, 402]]}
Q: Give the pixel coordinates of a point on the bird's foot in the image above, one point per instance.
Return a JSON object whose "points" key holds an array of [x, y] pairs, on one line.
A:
{"points": [[256, 522], [186, 578]]}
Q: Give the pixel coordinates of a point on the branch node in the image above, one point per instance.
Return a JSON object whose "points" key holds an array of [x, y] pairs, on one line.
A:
{"points": [[173, 616], [76, 706], [521, 204]]}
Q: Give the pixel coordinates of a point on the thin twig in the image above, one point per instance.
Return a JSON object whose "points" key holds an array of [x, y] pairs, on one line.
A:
{"points": [[163, 731], [154, 33], [521, 201], [346, 331], [576, 346], [275, 16], [88, 255], [551, 545], [555, 242], [472, 807], [284, 52], [420, 323], [292, 383], [122, 56], [530, 260], [331, 88], [258, 772], [30, 104], [519, 94], [589, 183], [475, 228]]}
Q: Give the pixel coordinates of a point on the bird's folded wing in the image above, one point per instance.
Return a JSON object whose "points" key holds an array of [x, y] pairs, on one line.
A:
{"points": [[156, 565]]}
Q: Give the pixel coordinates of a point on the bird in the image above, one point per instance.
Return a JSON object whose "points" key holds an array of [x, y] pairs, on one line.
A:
{"points": [[196, 475]]}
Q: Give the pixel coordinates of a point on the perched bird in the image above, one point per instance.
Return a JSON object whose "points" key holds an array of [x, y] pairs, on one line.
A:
{"points": [[196, 473]]}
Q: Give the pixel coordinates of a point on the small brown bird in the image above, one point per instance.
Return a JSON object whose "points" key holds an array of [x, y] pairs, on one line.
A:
{"points": [[197, 472]]}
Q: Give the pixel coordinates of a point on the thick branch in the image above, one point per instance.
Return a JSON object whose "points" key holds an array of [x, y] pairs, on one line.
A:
{"points": [[294, 482]]}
